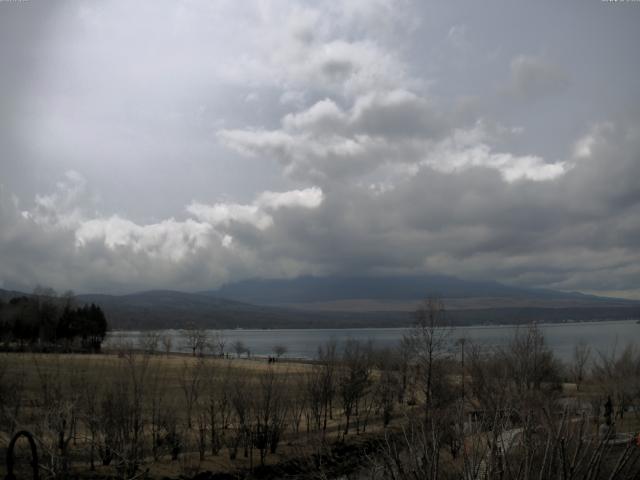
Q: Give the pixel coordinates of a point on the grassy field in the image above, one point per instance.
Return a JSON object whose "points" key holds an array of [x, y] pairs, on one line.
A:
{"points": [[46, 385], [214, 410]]}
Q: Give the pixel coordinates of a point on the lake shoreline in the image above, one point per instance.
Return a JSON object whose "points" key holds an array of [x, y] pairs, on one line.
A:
{"points": [[408, 326], [603, 336]]}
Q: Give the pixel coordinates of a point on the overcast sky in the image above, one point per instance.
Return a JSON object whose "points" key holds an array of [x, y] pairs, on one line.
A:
{"points": [[185, 144]]}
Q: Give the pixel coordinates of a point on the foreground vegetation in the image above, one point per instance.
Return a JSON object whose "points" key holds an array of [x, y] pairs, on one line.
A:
{"points": [[419, 411]]}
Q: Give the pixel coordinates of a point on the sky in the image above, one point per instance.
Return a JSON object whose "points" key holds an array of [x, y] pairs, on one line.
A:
{"points": [[184, 144]]}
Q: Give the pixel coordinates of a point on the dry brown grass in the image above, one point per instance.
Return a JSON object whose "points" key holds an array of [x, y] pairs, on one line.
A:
{"points": [[35, 372], [31, 366]]}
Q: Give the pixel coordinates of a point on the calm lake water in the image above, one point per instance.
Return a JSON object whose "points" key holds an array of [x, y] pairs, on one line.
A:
{"points": [[562, 338]]}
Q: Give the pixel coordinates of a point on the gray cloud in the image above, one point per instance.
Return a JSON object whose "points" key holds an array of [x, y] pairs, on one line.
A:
{"points": [[534, 77], [325, 143], [471, 222], [215, 142]]}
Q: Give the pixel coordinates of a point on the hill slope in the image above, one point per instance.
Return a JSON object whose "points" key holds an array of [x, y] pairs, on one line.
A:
{"points": [[398, 290], [342, 302]]}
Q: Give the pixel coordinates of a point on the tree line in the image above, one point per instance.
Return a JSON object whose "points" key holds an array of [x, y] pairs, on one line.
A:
{"points": [[46, 321]]}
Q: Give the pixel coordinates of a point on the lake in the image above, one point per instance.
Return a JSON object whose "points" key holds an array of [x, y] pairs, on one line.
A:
{"points": [[601, 336]]}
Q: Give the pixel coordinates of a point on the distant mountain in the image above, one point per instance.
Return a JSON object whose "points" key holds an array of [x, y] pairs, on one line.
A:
{"points": [[340, 289], [173, 309], [165, 299], [349, 302], [6, 295]]}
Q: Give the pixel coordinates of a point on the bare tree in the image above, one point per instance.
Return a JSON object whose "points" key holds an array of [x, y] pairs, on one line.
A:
{"points": [[298, 403], [239, 347], [57, 406], [91, 391], [116, 416], [490, 379], [618, 376], [149, 341], [328, 360], [270, 411], [315, 398], [218, 342], [387, 387], [217, 387], [195, 339], [157, 404], [241, 401], [523, 376], [191, 380], [12, 389], [406, 370], [280, 350], [354, 378], [578, 367], [167, 343], [428, 341], [530, 360], [170, 433], [123, 413]]}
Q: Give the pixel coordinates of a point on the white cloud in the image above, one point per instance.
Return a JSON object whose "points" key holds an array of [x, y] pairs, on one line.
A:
{"points": [[251, 142], [256, 214], [60, 208], [222, 214], [326, 143], [307, 198], [324, 117], [227, 241], [466, 149], [583, 148], [111, 250], [168, 240]]}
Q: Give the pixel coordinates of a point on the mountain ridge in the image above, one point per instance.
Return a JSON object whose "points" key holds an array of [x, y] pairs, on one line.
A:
{"points": [[307, 289], [348, 302]]}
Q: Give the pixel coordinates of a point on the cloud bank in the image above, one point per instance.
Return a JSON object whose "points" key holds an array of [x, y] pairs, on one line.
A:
{"points": [[377, 137]]}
